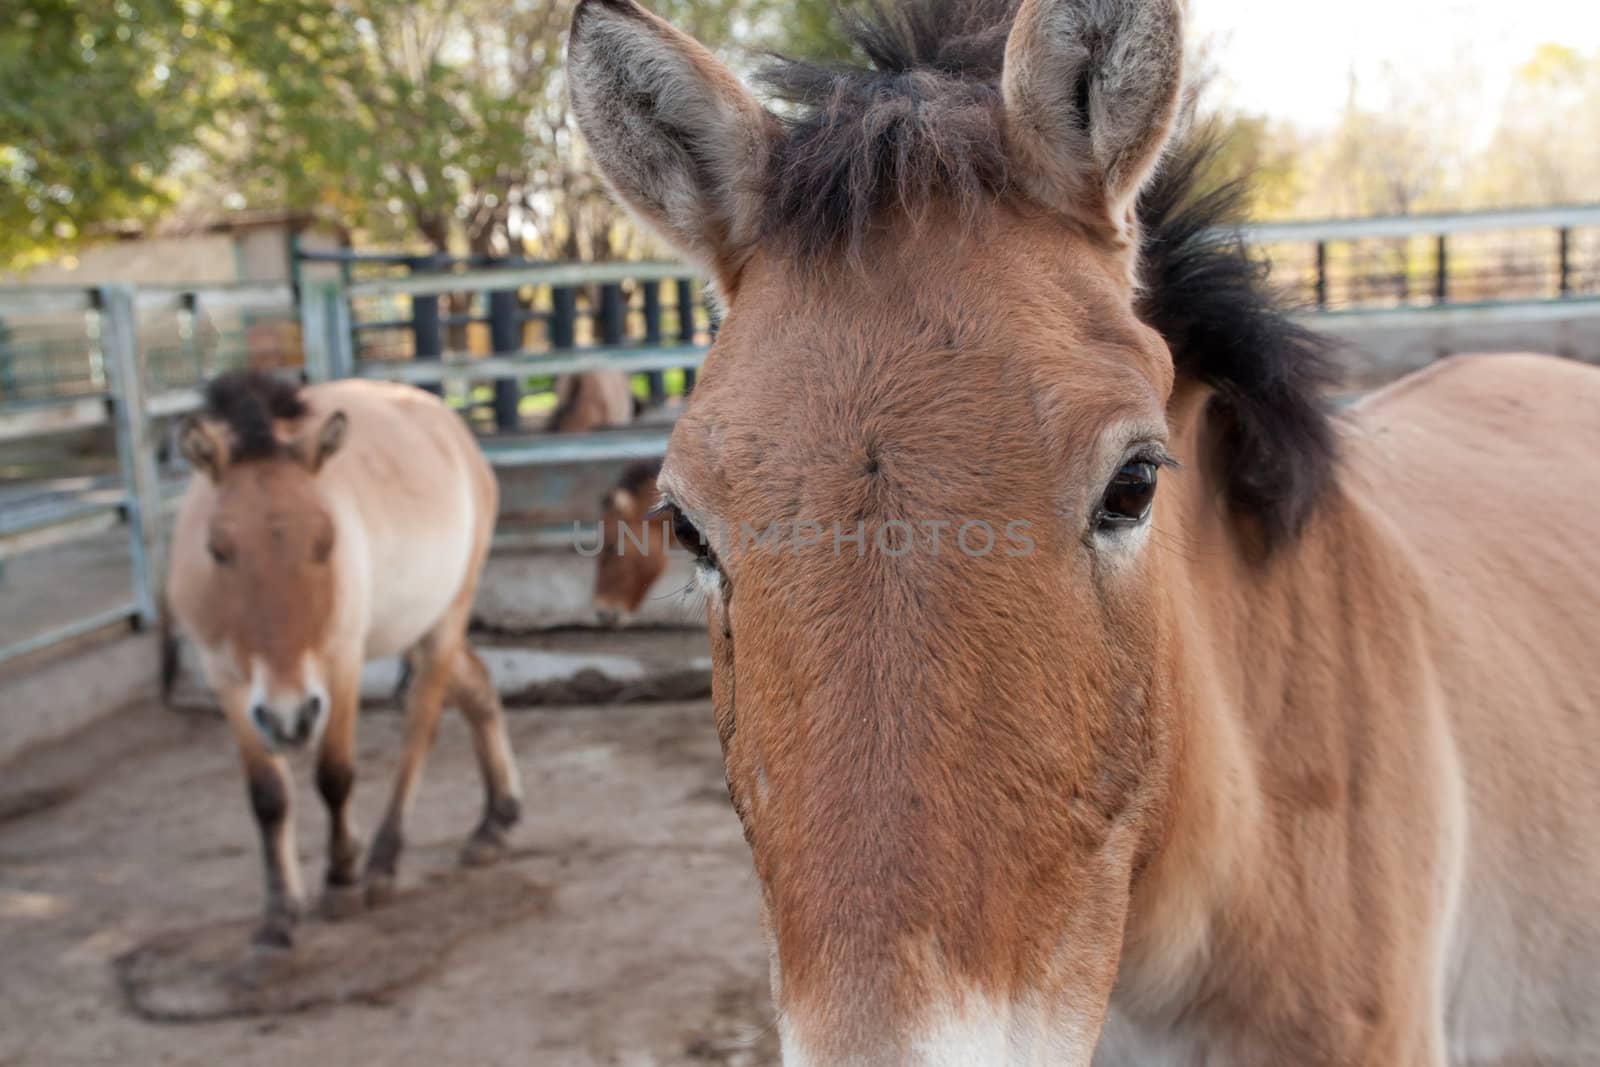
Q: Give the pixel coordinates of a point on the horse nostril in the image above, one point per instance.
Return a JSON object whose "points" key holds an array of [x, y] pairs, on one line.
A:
{"points": [[262, 718], [306, 721]]}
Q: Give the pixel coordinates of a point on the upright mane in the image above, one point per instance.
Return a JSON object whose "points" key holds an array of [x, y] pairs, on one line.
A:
{"points": [[247, 402], [923, 119]]}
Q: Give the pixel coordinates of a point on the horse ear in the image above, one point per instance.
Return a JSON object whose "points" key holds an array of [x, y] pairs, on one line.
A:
{"points": [[204, 450], [676, 136], [1091, 92], [313, 447]]}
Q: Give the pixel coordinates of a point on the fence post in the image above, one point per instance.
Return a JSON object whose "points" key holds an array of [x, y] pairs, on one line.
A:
{"points": [[505, 338], [315, 334], [686, 327], [652, 337], [341, 337], [124, 360], [1322, 276], [1441, 279], [563, 317], [189, 335], [1564, 277], [613, 315], [325, 336], [427, 330]]}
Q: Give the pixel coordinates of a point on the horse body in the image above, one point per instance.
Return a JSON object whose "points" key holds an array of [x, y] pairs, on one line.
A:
{"points": [[1505, 440], [297, 556], [424, 510], [1396, 733], [593, 400]]}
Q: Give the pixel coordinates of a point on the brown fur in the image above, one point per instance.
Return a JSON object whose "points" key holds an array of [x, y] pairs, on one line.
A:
{"points": [[596, 400], [1165, 801], [297, 556], [633, 543]]}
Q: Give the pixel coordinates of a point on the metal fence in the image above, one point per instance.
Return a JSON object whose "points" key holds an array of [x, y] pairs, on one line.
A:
{"points": [[143, 352], [124, 385], [1434, 261], [120, 360], [512, 329]]}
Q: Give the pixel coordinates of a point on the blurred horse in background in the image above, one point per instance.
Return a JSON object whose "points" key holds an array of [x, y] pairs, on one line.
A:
{"points": [[633, 543], [327, 526], [593, 400]]}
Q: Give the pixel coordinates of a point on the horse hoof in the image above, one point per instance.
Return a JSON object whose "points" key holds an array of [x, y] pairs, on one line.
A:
{"points": [[379, 889], [273, 935], [342, 902], [482, 852]]}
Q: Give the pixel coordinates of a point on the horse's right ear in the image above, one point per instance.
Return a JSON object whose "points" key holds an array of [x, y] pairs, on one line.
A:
{"points": [[205, 450], [682, 143]]}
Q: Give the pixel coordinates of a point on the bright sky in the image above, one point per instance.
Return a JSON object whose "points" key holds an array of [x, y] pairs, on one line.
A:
{"points": [[1292, 58]]}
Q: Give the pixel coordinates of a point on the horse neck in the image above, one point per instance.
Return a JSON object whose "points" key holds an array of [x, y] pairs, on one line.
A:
{"points": [[1254, 650]]}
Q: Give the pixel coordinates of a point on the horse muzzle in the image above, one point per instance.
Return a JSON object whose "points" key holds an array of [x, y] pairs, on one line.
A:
{"points": [[293, 730]]}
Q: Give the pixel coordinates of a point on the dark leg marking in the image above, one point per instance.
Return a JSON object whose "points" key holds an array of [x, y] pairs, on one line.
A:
{"points": [[269, 800], [335, 780]]}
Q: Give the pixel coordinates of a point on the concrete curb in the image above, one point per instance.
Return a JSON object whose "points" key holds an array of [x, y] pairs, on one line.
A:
{"points": [[565, 668]]}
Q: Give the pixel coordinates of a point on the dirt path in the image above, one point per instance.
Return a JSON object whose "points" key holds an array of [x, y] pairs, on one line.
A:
{"points": [[649, 953]]}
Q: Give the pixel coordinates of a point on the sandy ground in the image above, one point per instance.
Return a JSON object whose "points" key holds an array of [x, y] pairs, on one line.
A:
{"points": [[649, 952]]}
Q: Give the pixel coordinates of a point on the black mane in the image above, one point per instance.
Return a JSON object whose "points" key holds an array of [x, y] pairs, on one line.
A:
{"points": [[1208, 298], [923, 120], [639, 474], [247, 402]]}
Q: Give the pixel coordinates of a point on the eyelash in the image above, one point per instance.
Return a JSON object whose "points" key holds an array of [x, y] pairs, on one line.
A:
{"points": [[687, 534]]}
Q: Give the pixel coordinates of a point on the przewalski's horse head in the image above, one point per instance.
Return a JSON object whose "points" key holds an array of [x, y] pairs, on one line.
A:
{"points": [[633, 543], [263, 608], [920, 473]]}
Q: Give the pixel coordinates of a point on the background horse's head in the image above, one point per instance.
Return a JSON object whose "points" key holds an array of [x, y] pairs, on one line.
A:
{"points": [[633, 544], [920, 473], [262, 600]]}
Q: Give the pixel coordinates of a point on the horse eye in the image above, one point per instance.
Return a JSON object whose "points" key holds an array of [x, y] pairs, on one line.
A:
{"points": [[220, 556], [689, 536], [1128, 498]]}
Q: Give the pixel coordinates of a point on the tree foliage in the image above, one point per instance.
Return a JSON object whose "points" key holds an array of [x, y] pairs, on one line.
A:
{"points": [[442, 124], [98, 101]]}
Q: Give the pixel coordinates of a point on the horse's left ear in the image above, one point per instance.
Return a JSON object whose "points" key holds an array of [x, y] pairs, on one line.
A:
{"points": [[313, 447], [1091, 95], [205, 450]]}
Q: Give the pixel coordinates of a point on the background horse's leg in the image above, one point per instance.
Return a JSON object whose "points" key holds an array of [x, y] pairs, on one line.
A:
{"points": [[433, 663], [336, 776], [472, 690], [270, 786]]}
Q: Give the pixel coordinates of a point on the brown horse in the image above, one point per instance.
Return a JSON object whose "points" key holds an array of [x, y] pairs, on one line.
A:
{"points": [[328, 526], [633, 543], [1294, 761], [594, 400]]}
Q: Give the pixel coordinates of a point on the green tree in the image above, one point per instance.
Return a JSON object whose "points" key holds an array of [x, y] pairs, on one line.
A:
{"points": [[443, 120], [98, 100]]}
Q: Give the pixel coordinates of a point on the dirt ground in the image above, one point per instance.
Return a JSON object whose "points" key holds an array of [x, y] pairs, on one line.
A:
{"points": [[647, 951]]}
